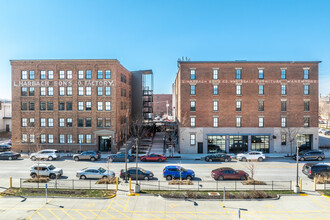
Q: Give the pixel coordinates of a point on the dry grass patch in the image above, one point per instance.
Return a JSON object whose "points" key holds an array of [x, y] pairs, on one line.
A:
{"points": [[107, 181], [38, 180], [253, 182], [180, 182], [322, 179]]}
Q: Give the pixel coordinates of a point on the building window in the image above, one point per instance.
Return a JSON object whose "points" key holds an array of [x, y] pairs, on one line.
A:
{"points": [[62, 91], [238, 106], [306, 89], [61, 106], [215, 122], [24, 91], [283, 139], [306, 74], [88, 106], [89, 91], [88, 74], [261, 89], [88, 122], [24, 122], [108, 106], [261, 73], [69, 139], [31, 122], [99, 91], [283, 74], [69, 106], [107, 91], [43, 138], [261, 122], [80, 74], [69, 74], [100, 122], [24, 106], [50, 106], [108, 74], [100, 74], [261, 106], [81, 138], [80, 122], [42, 91], [238, 89], [193, 74], [215, 74], [31, 138], [192, 106], [31, 106], [42, 74], [283, 89], [107, 122], [192, 89], [50, 122], [24, 74], [238, 74], [283, 106], [99, 106], [62, 74], [80, 91], [88, 138], [62, 139], [283, 122], [50, 74], [215, 89], [306, 121], [69, 122], [24, 138], [50, 138], [69, 91], [42, 122], [306, 106], [192, 121], [31, 91], [42, 106], [61, 122], [215, 106], [192, 139], [81, 106], [50, 91], [238, 122]]}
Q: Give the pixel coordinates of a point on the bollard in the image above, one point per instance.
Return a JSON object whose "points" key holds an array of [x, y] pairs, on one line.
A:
{"points": [[130, 184], [314, 183], [11, 182], [116, 183], [300, 184], [224, 194]]}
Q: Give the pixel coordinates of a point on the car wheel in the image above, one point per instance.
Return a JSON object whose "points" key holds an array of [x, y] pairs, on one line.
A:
{"points": [[244, 159], [10, 158], [160, 160], [260, 159], [33, 158], [76, 158], [302, 159], [52, 176], [189, 178], [92, 158], [50, 158], [319, 158], [243, 177], [83, 177], [33, 175], [226, 160], [210, 160], [168, 177], [220, 178], [146, 178], [144, 160]]}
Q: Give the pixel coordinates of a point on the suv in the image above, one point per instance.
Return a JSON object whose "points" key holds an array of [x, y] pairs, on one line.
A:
{"points": [[312, 169], [218, 157], [48, 154], [5, 147], [142, 174], [253, 155], [87, 155], [171, 172], [310, 155], [45, 170]]}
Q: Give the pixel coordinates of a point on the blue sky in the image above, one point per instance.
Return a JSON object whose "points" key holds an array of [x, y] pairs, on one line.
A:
{"points": [[153, 34]]}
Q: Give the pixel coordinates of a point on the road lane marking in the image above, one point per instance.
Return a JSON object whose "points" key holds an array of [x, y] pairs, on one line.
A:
{"points": [[182, 215], [110, 205], [69, 215], [127, 203], [54, 214], [41, 215], [108, 214], [30, 217]]}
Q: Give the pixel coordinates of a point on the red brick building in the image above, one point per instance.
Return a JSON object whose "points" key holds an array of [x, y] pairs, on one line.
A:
{"points": [[69, 104], [239, 106], [160, 102]]}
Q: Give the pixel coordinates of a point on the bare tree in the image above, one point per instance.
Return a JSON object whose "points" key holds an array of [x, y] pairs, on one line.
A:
{"points": [[291, 133], [251, 168]]}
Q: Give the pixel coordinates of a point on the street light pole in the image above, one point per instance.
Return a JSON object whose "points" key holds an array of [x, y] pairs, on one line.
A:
{"points": [[136, 153], [126, 180], [297, 188]]}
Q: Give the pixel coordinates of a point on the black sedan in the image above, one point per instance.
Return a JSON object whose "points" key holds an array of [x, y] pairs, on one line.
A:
{"points": [[5, 147], [218, 157], [120, 157], [9, 155], [142, 174]]}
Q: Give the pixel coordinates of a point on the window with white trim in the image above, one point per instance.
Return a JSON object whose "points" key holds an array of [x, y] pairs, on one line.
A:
{"points": [[50, 122], [62, 91], [69, 91], [283, 122], [62, 74], [215, 74], [50, 91], [192, 74], [192, 139], [108, 106], [215, 106], [80, 106], [81, 138], [42, 74], [50, 138], [43, 138], [50, 74], [42, 122], [261, 122], [238, 122], [88, 138], [80, 74], [42, 91], [88, 91], [88, 106], [61, 122], [192, 121], [24, 74], [69, 74], [69, 139], [99, 91], [62, 139], [238, 89], [31, 138], [24, 138], [107, 91], [80, 91], [215, 122], [99, 106]]}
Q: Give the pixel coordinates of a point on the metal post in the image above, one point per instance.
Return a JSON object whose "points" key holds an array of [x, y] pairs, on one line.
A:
{"points": [[136, 159], [130, 186], [90, 184], [224, 193], [297, 173], [300, 184], [235, 185], [272, 185], [11, 182], [126, 147], [117, 184], [198, 186], [20, 183], [46, 193], [158, 185]]}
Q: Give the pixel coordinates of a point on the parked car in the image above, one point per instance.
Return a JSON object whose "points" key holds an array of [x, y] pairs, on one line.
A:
{"points": [[314, 169], [9, 155], [218, 157], [153, 157], [321, 130], [305, 147], [48, 154], [87, 155], [173, 172], [120, 157], [310, 155], [326, 133], [5, 147], [142, 174], [253, 155], [94, 173], [45, 170], [229, 173]]}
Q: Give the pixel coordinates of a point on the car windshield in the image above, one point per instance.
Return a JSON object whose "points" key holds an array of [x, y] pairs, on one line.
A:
{"points": [[142, 170], [102, 170], [183, 169], [51, 167]]}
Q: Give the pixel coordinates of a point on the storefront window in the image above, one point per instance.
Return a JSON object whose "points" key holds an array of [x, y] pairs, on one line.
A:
{"points": [[260, 143], [238, 144], [304, 141], [216, 144]]}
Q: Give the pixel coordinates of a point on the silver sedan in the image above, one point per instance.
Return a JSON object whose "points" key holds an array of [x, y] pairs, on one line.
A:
{"points": [[94, 173]]}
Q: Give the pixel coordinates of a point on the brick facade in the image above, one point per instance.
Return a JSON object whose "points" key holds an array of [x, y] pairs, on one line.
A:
{"points": [[159, 104]]}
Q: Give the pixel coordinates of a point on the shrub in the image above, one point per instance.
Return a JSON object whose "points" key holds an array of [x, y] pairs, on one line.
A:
{"points": [[38, 180], [182, 182], [322, 179], [253, 182], [107, 180]]}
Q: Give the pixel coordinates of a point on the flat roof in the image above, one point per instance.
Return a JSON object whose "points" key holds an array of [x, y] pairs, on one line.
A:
{"points": [[246, 61], [63, 60]]}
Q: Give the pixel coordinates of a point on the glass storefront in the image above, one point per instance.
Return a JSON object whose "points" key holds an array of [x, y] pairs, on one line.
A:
{"points": [[260, 143], [216, 144], [304, 141], [105, 143], [238, 144]]}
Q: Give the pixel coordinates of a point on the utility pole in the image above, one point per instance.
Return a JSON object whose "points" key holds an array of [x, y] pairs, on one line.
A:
{"points": [[126, 180], [137, 187], [297, 188]]}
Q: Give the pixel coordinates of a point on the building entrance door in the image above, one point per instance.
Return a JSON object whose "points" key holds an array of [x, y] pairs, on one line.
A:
{"points": [[7, 128], [200, 147], [105, 143]]}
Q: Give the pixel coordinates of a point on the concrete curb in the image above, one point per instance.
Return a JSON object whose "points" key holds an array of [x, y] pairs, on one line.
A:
{"points": [[58, 197]]}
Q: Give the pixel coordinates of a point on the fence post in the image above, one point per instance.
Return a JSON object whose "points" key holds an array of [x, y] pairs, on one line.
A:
{"points": [[198, 186], [11, 182], [158, 185], [290, 184], [117, 184], [300, 184], [325, 184], [314, 184], [90, 184], [272, 185], [20, 182], [235, 185], [130, 185], [254, 186], [217, 185]]}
